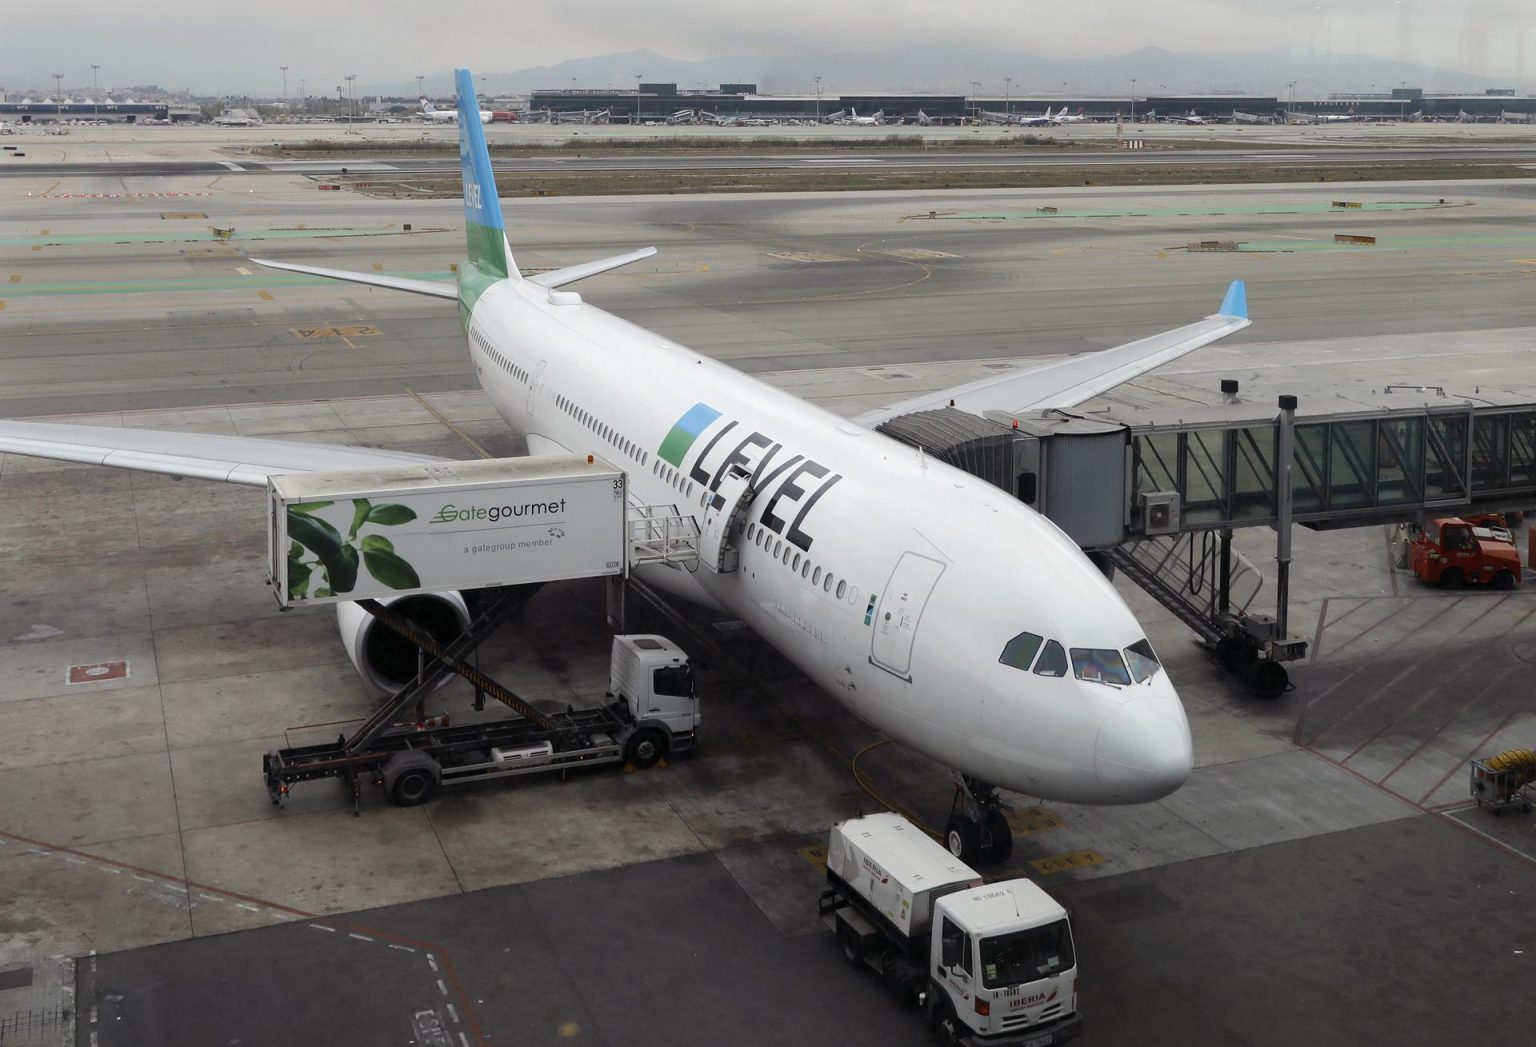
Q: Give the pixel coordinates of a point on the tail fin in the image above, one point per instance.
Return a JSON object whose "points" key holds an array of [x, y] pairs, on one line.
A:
{"points": [[427, 106], [484, 231]]}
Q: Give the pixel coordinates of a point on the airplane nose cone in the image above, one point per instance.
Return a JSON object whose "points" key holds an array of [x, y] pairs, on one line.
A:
{"points": [[1143, 750]]}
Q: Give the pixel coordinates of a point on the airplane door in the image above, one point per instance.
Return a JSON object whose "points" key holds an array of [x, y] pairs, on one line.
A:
{"points": [[901, 608], [533, 386], [722, 519]]}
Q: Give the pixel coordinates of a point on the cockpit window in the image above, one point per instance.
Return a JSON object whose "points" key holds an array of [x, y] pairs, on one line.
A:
{"points": [[1021, 650], [1142, 661], [1103, 665], [1053, 660]]}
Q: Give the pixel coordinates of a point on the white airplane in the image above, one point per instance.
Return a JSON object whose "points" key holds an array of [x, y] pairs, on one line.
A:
{"points": [[1063, 118], [865, 121], [937, 607], [1190, 117], [447, 116], [1040, 121]]}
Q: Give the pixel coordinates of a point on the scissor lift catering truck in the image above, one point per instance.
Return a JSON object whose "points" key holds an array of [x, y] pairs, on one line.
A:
{"points": [[993, 964]]}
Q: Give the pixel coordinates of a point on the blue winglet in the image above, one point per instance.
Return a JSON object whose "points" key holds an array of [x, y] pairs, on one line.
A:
{"points": [[1236, 302]]}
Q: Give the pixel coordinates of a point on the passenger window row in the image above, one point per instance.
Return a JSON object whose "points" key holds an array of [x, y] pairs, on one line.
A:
{"points": [[1095, 664], [603, 430], [500, 358], [790, 557]]}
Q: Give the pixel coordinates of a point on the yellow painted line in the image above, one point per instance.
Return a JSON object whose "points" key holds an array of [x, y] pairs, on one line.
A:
{"points": [[1160, 255], [2, 305], [1033, 820], [817, 856], [43, 233], [1524, 261], [242, 270], [1064, 862], [378, 267], [265, 296], [460, 433], [15, 278], [37, 247]]}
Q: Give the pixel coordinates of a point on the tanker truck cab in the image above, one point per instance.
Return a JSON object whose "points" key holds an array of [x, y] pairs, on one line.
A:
{"points": [[650, 679], [1006, 970]]}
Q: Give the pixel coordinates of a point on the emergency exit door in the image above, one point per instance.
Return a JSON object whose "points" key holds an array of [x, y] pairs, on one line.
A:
{"points": [[900, 610]]}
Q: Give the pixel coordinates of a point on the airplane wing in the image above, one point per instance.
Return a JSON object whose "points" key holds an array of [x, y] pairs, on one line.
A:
{"points": [[231, 459], [571, 273], [1066, 383], [435, 288]]}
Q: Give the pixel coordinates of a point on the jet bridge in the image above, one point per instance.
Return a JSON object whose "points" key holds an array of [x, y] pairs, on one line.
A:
{"points": [[1160, 500]]}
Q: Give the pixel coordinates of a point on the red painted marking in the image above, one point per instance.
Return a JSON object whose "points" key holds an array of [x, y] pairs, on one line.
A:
{"points": [[1465, 759], [98, 672]]}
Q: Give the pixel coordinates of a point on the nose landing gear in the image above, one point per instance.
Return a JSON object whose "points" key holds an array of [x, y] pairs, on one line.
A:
{"points": [[978, 832]]}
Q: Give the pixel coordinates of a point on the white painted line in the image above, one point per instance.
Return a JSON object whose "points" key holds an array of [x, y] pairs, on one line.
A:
{"points": [[210, 897], [452, 1013], [441, 987], [93, 1038], [143, 879], [432, 960], [359, 937], [463, 1040], [74, 861], [402, 948], [93, 1014], [850, 160], [114, 870], [231, 166], [323, 927], [1496, 841], [247, 908]]}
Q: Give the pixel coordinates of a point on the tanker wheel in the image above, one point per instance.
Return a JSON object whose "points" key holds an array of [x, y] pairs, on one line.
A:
{"points": [[1452, 578], [1504, 580], [1268, 680], [853, 949]]}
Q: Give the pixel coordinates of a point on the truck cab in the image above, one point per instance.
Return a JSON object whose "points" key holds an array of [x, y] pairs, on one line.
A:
{"points": [[1450, 552], [1005, 969], [650, 679]]}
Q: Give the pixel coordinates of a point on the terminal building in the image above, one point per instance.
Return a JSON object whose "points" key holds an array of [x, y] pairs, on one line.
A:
{"points": [[661, 102], [48, 110]]}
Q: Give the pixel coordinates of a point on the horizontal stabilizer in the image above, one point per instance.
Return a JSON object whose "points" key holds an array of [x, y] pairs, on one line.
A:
{"points": [[571, 273], [435, 288], [231, 459]]}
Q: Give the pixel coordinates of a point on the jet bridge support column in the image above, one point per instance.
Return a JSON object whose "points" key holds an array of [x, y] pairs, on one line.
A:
{"points": [[1284, 452]]}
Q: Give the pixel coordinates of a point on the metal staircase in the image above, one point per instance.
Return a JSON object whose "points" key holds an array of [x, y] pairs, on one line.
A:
{"points": [[1183, 573]]}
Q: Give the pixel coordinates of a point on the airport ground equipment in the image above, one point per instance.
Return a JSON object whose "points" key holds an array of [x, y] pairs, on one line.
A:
{"points": [[1450, 552], [649, 712], [1160, 501], [1506, 779], [992, 964]]}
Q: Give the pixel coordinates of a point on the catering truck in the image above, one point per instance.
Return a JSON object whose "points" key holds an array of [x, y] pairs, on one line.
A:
{"points": [[993, 964]]}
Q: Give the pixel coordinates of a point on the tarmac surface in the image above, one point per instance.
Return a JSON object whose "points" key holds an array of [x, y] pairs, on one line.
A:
{"points": [[1322, 878]]}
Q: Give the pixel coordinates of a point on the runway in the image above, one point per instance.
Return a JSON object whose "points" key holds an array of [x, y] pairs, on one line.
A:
{"points": [[1318, 880]]}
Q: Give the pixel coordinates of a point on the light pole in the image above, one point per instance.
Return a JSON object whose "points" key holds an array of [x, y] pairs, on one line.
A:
{"points": [[1290, 99], [58, 101], [284, 68], [419, 92], [351, 79], [95, 92], [638, 78], [975, 89], [1008, 95], [818, 99], [1133, 99]]}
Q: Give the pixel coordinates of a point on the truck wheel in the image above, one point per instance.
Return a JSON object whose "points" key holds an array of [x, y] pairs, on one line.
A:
{"points": [[948, 1028], [963, 838], [1504, 580], [1268, 680], [853, 949], [1452, 578], [646, 747], [414, 786], [999, 834]]}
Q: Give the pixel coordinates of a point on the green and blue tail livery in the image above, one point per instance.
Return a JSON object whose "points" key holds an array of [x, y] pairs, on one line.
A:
{"points": [[484, 231]]}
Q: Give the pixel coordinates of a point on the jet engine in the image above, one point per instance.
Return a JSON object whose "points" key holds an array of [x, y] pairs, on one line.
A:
{"points": [[383, 658]]}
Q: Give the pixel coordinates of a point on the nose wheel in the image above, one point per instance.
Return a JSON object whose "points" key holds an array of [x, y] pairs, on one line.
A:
{"points": [[978, 832]]}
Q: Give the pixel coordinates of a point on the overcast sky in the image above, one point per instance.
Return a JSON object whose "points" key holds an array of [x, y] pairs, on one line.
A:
{"points": [[223, 47]]}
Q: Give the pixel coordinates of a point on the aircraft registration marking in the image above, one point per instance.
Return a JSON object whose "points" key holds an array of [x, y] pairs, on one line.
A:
{"points": [[816, 855], [918, 252], [1031, 820], [1065, 862], [311, 334], [808, 256]]}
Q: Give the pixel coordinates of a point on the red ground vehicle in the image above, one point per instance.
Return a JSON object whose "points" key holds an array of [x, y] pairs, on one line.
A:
{"points": [[1450, 553]]}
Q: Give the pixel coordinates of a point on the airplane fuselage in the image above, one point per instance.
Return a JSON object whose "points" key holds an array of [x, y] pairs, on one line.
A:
{"points": [[891, 579]]}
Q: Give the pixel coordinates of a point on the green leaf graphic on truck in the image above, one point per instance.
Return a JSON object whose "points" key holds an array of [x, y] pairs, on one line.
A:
{"points": [[323, 563]]}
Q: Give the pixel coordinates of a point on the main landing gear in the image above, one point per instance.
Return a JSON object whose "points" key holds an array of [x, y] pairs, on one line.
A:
{"points": [[977, 832]]}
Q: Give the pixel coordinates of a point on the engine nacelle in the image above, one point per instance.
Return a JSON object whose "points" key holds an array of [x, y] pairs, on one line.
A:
{"points": [[383, 658]]}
